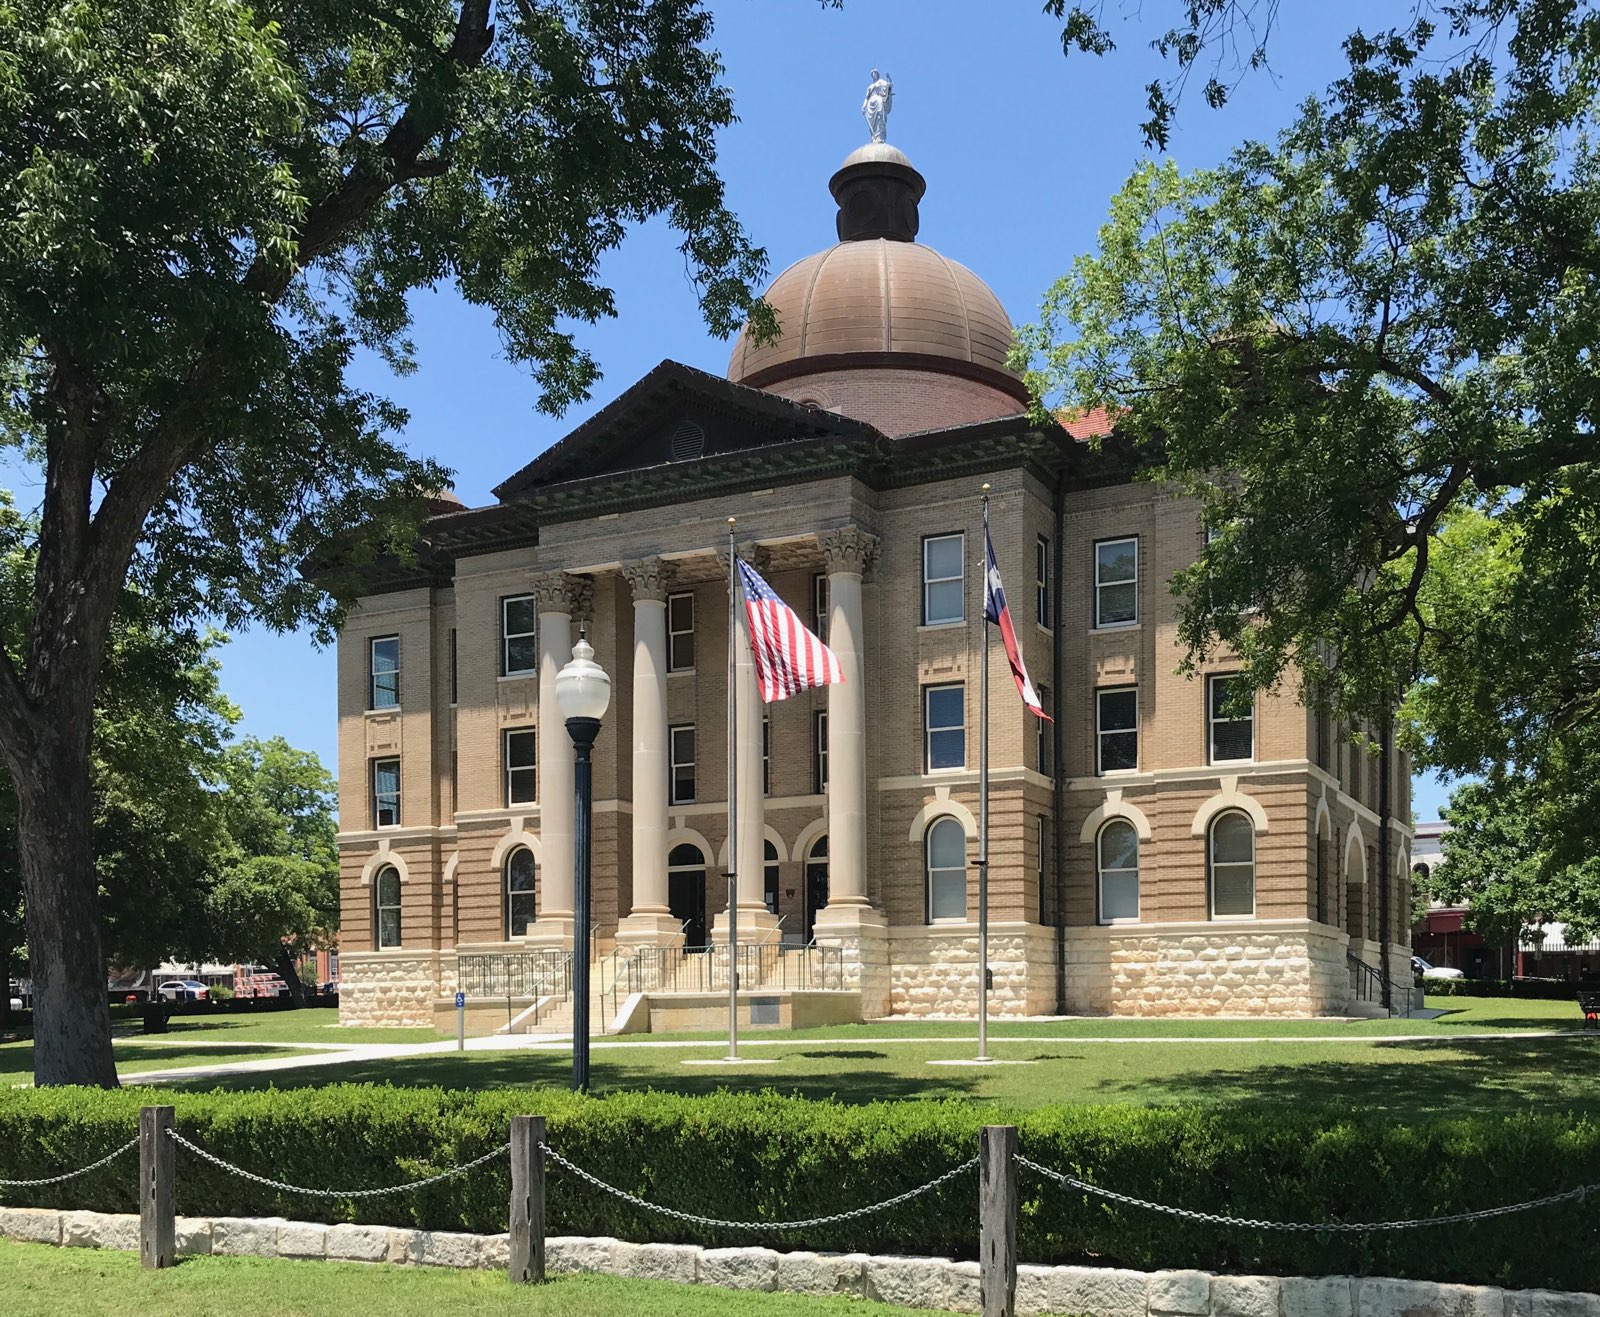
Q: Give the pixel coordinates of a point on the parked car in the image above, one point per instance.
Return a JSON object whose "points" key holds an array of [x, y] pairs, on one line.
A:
{"points": [[182, 990], [1427, 971]]}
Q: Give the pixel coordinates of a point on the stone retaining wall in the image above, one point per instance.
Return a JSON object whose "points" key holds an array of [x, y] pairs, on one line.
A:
{"points": [[909, 1281]]}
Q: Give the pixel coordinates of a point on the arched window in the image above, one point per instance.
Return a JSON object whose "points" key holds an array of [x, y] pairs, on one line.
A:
{"points": [[386, 907], [686, 892], [769, 876], [816, 883], [1233, 866], [945, 844], [1117, 857], [520, 883]]}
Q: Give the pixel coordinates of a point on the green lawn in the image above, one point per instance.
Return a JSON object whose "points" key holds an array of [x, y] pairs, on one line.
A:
{"points": [[137, 1054], [40, 1281]]}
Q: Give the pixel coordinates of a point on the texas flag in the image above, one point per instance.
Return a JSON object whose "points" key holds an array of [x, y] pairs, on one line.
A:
{"points": [[996, 610]]}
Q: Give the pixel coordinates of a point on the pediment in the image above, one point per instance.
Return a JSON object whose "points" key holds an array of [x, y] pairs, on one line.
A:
{"points": [[675, 416]]}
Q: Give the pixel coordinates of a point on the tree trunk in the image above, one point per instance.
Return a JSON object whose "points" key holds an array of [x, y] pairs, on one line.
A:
{"points": [[5, 979], [290, 975], [55, 844]]}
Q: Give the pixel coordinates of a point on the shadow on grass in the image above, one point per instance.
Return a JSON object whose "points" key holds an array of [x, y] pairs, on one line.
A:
{"points": [[611, 1072], [1437, 1078]]}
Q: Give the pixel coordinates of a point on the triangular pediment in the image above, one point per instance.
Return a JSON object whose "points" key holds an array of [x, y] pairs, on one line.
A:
{"points": [[673, 417]]}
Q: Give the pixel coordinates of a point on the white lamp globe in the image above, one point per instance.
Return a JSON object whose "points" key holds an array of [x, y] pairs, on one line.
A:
{"points": [[583, 690]]}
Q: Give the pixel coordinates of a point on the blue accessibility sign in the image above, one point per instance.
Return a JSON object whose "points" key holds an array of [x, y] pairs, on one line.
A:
{"points": [[461, 1000]]}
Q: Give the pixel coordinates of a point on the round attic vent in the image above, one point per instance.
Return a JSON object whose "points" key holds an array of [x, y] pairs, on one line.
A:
{"points": [[688, 440]]}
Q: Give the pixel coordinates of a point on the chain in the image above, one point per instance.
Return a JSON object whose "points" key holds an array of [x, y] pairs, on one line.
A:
{"points": [[713, 1221], [1310, 1227], [71, 1175], [337, 1193]]}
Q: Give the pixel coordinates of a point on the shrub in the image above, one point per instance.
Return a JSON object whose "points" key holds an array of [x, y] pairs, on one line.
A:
{"points": [[1543, 989], [220, 992], [766, 1157]]}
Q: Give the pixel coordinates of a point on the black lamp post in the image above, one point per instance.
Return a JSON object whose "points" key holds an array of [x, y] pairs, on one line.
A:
{"points": [[583, 692]]}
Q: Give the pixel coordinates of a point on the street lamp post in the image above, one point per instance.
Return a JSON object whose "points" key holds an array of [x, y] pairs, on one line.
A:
{"points": [[583, 692]]}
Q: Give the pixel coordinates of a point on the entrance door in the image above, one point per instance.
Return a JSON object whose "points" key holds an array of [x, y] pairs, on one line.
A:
{"points": [[686, 893], [816, 884]]}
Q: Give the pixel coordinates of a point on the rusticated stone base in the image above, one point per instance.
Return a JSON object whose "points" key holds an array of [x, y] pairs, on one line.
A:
{"points": [[393, 987], [933, 970], [1280, 967]]}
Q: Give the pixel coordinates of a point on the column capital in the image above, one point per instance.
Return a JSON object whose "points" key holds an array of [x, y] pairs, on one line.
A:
{"points": [[647, 578], [562, 592], [750, 551], [848, 549]]}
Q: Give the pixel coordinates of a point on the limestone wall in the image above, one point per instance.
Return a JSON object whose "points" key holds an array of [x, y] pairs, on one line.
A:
{"points": [[1287, 967], [933, 969], [393, 987]]}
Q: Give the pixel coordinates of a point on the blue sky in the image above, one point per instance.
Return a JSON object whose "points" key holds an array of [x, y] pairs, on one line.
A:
{"points": [[1021, 148]]}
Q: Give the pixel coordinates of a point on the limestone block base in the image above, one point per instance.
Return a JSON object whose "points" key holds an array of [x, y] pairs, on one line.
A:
{"points": [[393, 987], [933, 969]]}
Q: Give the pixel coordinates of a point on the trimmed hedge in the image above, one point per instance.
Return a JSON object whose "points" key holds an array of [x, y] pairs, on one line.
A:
{"points": [[763, 1156], [1540, 989]]}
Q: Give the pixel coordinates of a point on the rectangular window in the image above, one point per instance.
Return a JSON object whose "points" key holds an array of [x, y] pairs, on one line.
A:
{"points": [[820, 604], [1116, 582], [943, 590], [1233, 736], [819, 751], [384, 673], [681, 788], [1041, 575], [1044, 869], [680, 633], [766, 756], [454, 687], [944, 721], [519, 646], [386, 793], [1042, 730], [1116, 730], [522, 773]]}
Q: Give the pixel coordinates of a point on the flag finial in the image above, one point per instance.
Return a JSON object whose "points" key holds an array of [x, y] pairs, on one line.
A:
{"points": [[985, 486]]}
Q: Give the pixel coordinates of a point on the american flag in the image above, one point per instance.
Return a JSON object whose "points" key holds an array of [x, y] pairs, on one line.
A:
{"points": [[788, 658]]}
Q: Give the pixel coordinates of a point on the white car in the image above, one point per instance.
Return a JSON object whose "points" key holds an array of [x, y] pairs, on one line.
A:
{"points": [[1422, 967], [182, 990]]}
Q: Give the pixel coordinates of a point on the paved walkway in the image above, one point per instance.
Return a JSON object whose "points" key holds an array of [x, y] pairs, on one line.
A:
{"points": [[344, 1053]]}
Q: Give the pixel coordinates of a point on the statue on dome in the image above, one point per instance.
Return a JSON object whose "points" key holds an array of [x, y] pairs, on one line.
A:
{"points": [[875, 109]]}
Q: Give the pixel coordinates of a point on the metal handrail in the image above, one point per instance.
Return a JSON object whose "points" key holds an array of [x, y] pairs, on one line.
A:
{"points": [[1367, 982]]}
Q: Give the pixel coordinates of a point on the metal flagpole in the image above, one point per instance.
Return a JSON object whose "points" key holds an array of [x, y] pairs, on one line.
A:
{"points": [[983, 805], [733, 805]]}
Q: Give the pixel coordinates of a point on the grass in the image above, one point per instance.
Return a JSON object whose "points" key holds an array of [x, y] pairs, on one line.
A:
{"points": [[41, 1281], [135, 1055]]}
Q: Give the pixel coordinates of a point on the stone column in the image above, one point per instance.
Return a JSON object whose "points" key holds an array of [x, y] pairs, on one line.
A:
{"points": [[558, 596], [849, 921], [650, 922], [750, 863]]}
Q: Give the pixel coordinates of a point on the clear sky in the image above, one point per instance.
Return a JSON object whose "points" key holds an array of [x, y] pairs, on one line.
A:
{"points": [[1021, 148]]}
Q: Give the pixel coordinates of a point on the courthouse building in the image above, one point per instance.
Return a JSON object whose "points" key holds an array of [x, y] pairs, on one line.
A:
{"points": [[1152, 851]]}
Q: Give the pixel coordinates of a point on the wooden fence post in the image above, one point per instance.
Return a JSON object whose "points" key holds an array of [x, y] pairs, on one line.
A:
{"points": [[157, 1188], [997, 1217], [527, 1198]]}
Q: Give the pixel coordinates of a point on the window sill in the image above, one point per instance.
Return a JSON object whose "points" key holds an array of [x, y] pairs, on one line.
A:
{"points": [[1229, 763], [942, 626], [383, 712], [530, 673], [1119, 923], [1118, 772], [1107, 627], [1232, 919], [680, 672], [945, 772]]}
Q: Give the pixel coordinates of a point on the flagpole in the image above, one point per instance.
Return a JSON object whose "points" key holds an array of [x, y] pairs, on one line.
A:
{"points": [[733, 804], [983, 804]]}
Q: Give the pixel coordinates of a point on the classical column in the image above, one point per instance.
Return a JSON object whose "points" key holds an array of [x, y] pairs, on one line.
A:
{"points": [[650, 922], [848, 553], [558, 596]]}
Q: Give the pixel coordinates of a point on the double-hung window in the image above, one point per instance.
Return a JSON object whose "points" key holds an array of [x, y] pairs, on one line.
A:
{"points": [[1233, 734], [519, 646], [386, 793], [521, 761], [1042, 731], [680, 741], [386, 908], [943, 588], [819, 751], [1041, 576], [680, 633], [944, 722], [383, 673], [1116, 582], [1116, 730], [820, 604]]}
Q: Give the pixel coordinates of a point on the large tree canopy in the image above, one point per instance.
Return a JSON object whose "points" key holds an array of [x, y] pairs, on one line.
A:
{"points": [[208, 208], [1368, 349]]}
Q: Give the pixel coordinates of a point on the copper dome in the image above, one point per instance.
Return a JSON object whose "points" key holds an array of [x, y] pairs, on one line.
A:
{"points": [[869, 297]]}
